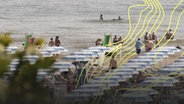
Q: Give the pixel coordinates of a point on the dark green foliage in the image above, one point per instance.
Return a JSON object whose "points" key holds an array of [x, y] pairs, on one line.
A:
{"points": [[23, 87]]}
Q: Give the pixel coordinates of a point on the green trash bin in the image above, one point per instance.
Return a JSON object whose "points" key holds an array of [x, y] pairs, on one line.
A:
{"points": [[107, 39], [27, 37]]}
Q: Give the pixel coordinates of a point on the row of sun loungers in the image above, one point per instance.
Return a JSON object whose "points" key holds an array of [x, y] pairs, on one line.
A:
{"points": [[151, 61], [145, 61]]}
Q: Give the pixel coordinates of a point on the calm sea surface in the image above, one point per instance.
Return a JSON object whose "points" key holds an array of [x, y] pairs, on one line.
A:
{"points": [[77, 21]]}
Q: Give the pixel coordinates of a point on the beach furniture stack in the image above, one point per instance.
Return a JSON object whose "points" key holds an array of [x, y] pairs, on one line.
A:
{"points": [[176, 68], [169, 81], [113, 78], [11, 49], [44, 52], [51, 51]]}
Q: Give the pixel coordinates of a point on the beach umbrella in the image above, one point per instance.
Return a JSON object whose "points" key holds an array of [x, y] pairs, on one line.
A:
{"points": [[146, 65], [121, 74], [182, 72], [163, 78], [61, 49], [78, 97], [105, 86], [92, 92], [169, 71], [149, 61], [50, 50], [158, 52], [180, 60], [46, 54], [128, 71], [41, 75], [12, 67], [114, 78], [14, 62], [62, 64], [178, 63], [88, 54], [135, 67], [155, 54], [105, 49], [11, 49], [107, 81], [76, 58], [175, 66], [157, 58], [137, 98], [160, 81], [141, 90], [172, 48], [157, 83], [182, 57], [31, 58], [96, 51], [169, 52]]}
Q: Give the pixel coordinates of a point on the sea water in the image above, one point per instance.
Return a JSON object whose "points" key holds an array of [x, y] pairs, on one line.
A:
{"points": [[77, 22]]}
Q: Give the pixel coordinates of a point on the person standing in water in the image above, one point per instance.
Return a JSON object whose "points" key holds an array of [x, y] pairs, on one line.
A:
{"points": [[101, 17], [57, 41], [51, 43], [119, 18]]}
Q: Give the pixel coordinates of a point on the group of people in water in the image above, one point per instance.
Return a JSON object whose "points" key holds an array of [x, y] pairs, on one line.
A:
{"points": [[54, 43], [101, 18]]}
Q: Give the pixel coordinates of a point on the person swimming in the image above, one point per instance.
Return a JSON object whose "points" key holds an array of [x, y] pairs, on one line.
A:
{"points": [[119, 18]]}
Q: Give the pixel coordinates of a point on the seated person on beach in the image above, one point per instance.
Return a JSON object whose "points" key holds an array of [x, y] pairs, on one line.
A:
{"points": [[51, 43], [113, 64], [57, 41], [169, 35]]}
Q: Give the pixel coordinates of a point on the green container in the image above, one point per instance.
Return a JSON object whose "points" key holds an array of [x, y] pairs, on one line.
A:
{"points": [[106, 39], [27, 36]]}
